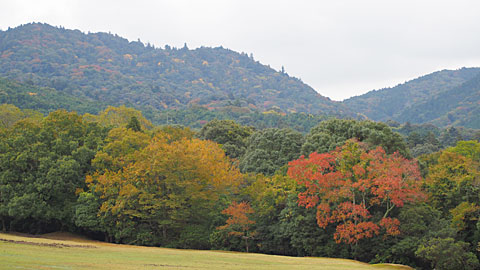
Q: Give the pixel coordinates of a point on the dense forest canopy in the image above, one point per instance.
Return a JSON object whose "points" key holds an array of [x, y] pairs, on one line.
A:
{"points": [[114, 176]]}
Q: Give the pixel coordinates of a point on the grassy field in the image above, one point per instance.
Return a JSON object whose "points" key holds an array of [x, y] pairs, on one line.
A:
{"points": [[64, 251]]}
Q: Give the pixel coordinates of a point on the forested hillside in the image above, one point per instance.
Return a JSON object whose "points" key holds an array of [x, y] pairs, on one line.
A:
{"points": [[44, 99], [447, 97], [459, 106], [87, 72], [110, 69]]}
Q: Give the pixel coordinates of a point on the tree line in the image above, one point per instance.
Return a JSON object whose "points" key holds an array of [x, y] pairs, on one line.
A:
{"points": [[347, 188]]}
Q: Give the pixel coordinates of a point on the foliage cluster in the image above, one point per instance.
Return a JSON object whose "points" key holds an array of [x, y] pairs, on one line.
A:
{"points": [[346, 189]]}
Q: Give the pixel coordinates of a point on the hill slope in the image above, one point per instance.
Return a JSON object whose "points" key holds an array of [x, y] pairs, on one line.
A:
{"points": [[459, 106], [111, 69], [41, 253], [44, 99], [447, 97]]}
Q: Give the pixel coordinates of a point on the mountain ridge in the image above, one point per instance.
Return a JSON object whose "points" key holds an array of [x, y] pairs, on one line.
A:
{"points": [[102, 66], [422, 100]]}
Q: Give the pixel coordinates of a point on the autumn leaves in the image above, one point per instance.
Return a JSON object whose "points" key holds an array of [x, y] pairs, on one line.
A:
{"points": [[116, 177], [166, 185], [356, 189], [162, 183]]}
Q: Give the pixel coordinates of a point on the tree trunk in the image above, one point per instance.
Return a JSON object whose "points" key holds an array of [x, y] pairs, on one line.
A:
{"points": [[354, 250], [246, 242]]}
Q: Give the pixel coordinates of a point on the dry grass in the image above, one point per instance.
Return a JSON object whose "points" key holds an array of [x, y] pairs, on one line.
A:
{"points": [[67, 251]]}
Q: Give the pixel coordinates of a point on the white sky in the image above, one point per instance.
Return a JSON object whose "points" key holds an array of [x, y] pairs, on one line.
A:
{"points": [[340, 48]]}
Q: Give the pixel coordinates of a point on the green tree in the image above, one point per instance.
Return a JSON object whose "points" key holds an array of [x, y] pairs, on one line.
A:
{"points": [[270, 149], [230, 135], [418, 223], [268, 196], [446, 254], [86, 211], [450, 137], [134, 124], [333, 133], [42, 166]]}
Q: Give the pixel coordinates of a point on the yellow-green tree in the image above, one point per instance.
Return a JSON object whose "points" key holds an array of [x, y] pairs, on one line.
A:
{"points": [[119, 151], [169, 187], [452, 178], [453, 184], [118, 117], [10, 114]]}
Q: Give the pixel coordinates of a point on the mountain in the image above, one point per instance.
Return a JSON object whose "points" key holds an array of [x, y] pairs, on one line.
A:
{"points": [[447, 97], [49, 67], [110, 69]]}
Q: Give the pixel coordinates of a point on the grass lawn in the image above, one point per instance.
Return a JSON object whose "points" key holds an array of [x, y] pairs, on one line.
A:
{"points": [[64, 251]]}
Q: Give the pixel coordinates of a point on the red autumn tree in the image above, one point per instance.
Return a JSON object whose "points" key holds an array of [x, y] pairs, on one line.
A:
{"points": [[238, 223], [346, 184]]}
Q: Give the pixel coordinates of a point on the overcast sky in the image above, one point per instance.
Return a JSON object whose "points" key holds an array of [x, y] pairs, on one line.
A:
{"points": [[340, 48]]}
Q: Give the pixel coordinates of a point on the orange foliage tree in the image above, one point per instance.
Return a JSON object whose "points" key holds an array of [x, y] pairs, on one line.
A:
{"points": [[346, 184], [238, 223]]}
